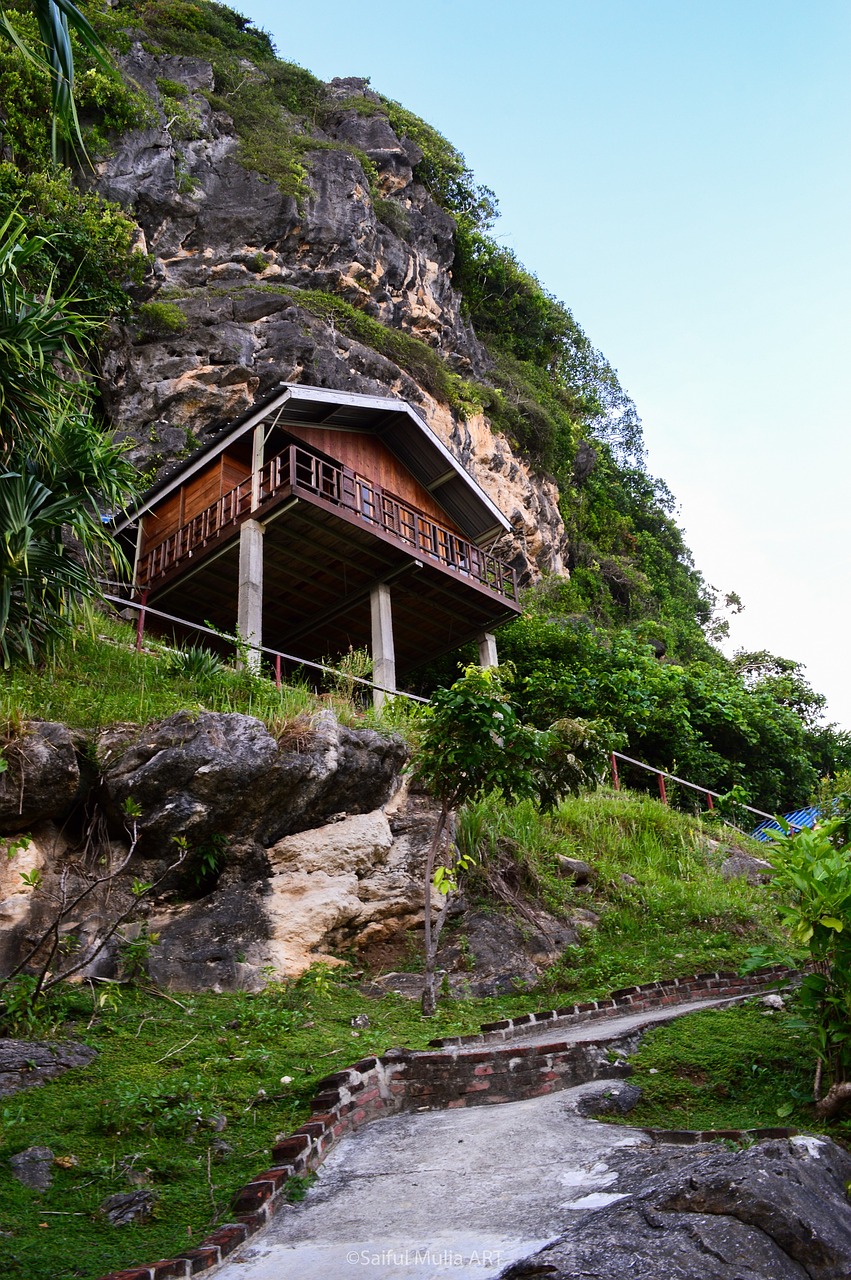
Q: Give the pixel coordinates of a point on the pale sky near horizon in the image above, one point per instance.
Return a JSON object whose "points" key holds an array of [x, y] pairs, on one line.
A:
{"points": [[677, 172]]}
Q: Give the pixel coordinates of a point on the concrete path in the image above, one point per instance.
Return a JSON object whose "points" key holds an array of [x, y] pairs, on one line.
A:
{"points": [[611, 1028], [458, 1193]]}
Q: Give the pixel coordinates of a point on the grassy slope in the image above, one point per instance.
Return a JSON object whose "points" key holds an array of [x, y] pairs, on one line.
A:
{"points": [[740, 1068], [96, 678]]}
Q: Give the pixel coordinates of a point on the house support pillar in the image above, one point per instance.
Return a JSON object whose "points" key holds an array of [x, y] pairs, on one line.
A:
{"points": [[249, 618], [383, 653], [487, 650]]}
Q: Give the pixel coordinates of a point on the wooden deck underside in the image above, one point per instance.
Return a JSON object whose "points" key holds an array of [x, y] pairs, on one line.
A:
{"points": [[319, 566]]}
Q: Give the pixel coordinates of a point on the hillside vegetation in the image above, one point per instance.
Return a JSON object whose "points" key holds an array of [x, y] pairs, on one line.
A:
{"points": [[753, 723], [188, 1092]]}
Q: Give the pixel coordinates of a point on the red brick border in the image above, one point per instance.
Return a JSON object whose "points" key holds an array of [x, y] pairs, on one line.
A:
{"points": [[454, 1074], [650, 995], [688, 1137]]}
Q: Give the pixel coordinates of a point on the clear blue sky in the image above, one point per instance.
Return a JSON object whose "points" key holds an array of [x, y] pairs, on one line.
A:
{"points": [[677, 172]]}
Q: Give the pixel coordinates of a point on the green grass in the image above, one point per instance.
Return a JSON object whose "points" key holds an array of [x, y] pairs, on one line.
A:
{"points": [[679, 917], [134, 1109], [166, 1070], [96, 678], [744, 1067]]}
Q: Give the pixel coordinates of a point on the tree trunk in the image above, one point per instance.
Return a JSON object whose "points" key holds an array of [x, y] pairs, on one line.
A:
{"points": [[432, 936], [834, 1100]]}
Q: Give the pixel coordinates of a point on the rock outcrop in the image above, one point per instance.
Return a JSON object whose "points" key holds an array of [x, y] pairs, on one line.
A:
{"points": [[42, 776], [230, 254], [224, 774], [26, 1063], [296, 849], [349, 884], [774, 1211]]}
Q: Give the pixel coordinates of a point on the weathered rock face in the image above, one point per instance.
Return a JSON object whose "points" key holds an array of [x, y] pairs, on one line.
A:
{"points": [[228, 246], [216, 774], [775, 1211], [320, 852], [352, 883], [42, 777], [205, 779]]}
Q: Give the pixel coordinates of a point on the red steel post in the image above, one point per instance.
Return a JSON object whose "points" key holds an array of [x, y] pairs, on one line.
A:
{"points": [[277, 671], [616, 782], [709, 800], [662, 793]]}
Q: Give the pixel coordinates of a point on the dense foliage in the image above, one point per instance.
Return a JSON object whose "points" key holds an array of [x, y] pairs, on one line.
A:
{"points": [[812, 881], [633, 583], [58, 469], [700, 719]]}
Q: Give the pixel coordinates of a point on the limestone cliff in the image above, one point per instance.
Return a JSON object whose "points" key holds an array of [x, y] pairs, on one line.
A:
{"points": [[316, 850], [233, 257]]}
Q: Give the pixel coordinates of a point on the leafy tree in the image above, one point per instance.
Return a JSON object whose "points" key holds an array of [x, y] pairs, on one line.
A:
{"points": [[474, 743], [701, 721]]}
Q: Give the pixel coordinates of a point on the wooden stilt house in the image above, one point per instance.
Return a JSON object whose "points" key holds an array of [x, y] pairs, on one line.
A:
{"points": [[323, 520]]}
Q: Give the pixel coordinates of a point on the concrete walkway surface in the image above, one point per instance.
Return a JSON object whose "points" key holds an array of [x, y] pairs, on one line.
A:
{"points": [[458, 1193]]}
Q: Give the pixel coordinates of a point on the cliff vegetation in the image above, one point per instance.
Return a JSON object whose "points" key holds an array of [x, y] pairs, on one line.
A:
{"points": [[213, 251]]}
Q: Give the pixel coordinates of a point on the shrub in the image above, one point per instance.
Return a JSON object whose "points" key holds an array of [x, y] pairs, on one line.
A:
{"points": [[158, 319]]}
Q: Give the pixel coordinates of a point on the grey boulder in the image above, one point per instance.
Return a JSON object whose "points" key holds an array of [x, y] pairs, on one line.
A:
{"points": [[202, 775], [42, 776], [33, 1167], [775, 1211]]}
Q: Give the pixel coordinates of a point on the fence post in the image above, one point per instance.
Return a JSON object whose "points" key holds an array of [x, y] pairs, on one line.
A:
{"points": [[616, 782], [709, 800], [140, 623], [277, 671], [662, 793]]}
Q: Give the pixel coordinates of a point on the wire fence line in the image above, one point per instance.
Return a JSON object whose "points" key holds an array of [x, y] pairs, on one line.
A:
{"points": [[279, 656]]}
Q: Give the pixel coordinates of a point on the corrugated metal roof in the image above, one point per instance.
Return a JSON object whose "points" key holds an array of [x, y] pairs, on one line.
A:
{"points": [[798, 819], [395, 422]]}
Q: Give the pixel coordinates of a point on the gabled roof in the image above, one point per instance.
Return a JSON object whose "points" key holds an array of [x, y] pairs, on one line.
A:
{"points": [[396, 424]]}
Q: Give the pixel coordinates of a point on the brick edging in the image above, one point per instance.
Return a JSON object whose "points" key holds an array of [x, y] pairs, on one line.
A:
{"points": [[406, 1079], [650, 995]]}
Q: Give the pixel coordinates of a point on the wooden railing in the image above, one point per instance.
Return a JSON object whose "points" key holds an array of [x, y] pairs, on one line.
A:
{"points": [[298, 471]]}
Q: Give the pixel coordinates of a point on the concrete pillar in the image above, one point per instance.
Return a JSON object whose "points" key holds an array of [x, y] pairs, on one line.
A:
{"points": [[383, 653], [249, 618], [258, 446], [487, 650]]}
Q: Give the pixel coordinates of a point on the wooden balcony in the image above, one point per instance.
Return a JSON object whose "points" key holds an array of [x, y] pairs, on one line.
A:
{"points": [[297, 473]]}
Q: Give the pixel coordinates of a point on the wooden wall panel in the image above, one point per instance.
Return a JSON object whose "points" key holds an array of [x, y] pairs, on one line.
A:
{"points": [[205, 488]]}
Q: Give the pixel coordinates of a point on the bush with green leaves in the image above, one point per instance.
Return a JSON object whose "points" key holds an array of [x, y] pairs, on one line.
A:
{"points": [[833, 800], [812, 882]]}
